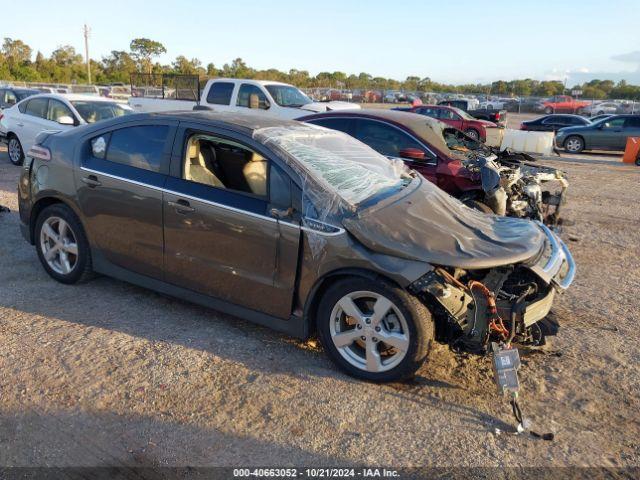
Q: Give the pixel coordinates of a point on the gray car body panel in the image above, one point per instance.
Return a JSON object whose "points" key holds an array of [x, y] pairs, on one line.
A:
{"points": [[298, 272]]}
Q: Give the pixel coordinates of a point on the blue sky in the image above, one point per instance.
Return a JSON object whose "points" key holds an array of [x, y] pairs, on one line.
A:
{"points": [[450, 41]]}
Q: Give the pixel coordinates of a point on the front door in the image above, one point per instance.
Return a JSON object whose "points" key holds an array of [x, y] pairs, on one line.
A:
{"points": [[228, 229], [609, 135], [119, 184]]}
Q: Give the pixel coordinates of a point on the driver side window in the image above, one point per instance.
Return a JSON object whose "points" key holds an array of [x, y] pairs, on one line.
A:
{"points": [[615, 123], [225, 164], [57, 110], [250, 96], [385, 139]]}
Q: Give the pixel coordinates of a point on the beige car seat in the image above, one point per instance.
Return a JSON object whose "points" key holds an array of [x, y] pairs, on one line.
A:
{"points": [[195, 167], [255, 173]]}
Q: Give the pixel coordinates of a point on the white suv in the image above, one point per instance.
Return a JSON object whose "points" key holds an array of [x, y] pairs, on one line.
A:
{"points": [[21, 124]]}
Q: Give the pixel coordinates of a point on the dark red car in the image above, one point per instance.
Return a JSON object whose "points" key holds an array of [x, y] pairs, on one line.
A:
{"points": [[457, 163], [457, 118]]}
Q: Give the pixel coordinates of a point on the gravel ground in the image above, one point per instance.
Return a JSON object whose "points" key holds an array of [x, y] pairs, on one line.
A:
{"points": [[110, 374]]}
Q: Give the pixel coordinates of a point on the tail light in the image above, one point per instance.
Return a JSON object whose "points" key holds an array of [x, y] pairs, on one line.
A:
{"points": [[40, 152], [497, 116], [523, 126]]}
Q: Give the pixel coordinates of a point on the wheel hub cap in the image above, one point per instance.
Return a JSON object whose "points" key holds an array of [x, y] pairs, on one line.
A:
{"points": [[58, 245], [369, 331]]}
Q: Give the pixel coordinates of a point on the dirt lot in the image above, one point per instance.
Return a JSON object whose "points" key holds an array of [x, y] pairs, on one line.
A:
{"points": [[110, 374]]}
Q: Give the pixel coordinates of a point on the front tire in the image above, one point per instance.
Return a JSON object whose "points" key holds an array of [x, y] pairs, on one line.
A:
{"points": [[16, 154], [574, 144], [62, 245], [374, 330]]}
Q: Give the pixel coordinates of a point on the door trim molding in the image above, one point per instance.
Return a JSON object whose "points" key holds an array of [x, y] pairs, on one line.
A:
{"points": [[211, 203]]}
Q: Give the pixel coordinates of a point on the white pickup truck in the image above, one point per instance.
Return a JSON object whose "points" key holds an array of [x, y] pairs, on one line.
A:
{"points": [[237, 95]]}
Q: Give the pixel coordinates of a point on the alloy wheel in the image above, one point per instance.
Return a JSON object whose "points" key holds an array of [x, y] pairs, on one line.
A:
{"points": [[15, 150], [573, 145], [369, 331], [59, 245]]}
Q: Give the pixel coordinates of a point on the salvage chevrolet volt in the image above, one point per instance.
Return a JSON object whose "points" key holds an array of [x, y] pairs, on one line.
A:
{"points": [[293, 226]]}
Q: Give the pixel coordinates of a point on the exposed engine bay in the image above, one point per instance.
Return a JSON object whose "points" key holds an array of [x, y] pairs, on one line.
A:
{"points": [[513, 185], [475, 308]]}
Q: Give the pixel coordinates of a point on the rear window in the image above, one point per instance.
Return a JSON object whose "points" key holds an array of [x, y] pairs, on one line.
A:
{"points": [[37, 107], [632, 122], [220, 93], [139, 147]]}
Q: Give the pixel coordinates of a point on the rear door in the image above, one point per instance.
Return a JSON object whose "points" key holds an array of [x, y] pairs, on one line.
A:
{"points": [[229, 228], [631, 129], [219, 96], [119, 184], [32, 121]]}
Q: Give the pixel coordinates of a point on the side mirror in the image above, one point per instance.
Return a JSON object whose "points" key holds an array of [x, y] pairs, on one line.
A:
{"points": [[11, 101], [412, 154], [604, 125], [254, 101], [66, 120]]}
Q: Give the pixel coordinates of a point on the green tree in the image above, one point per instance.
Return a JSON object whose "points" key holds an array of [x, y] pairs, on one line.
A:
{"points": [[16, 52], [144, 50]]}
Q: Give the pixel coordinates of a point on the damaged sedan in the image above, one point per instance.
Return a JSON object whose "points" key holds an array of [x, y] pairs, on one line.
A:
{"points": [[484, 178], [292, 226]]}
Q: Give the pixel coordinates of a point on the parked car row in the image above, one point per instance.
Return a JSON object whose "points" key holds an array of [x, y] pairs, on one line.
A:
{"points": [[575, 133], [339, 224]]}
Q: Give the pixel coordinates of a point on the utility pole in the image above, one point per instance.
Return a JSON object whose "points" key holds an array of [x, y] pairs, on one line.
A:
{"points": [[87, 31]]}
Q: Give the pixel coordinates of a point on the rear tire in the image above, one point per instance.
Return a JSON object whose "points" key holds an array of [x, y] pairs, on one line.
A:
{"points": [[16, 154], [548, 110], [62, 246], [358, 316]]}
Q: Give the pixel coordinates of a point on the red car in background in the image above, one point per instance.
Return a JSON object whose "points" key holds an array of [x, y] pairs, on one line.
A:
{"points": [[476, 129], [458, 164], [561, 104]]}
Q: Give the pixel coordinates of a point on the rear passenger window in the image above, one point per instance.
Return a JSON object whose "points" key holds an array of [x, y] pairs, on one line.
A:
{"points": [[632, 122], [139, 147], [220, 93], [37, 107]]}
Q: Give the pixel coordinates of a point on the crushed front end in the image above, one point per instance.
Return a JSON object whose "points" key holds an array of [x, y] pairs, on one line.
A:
{"points": [[503, 304], [513, 184]]}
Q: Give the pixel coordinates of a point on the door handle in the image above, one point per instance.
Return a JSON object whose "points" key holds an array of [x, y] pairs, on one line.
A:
{"points": [[279, 214], [20, 124], [181, 206], [91, 181]]}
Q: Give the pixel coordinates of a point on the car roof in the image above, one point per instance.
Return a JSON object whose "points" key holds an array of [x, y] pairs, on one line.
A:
{"points": [[21, 89], [251, 81], [244, 121], [428, 128]]}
